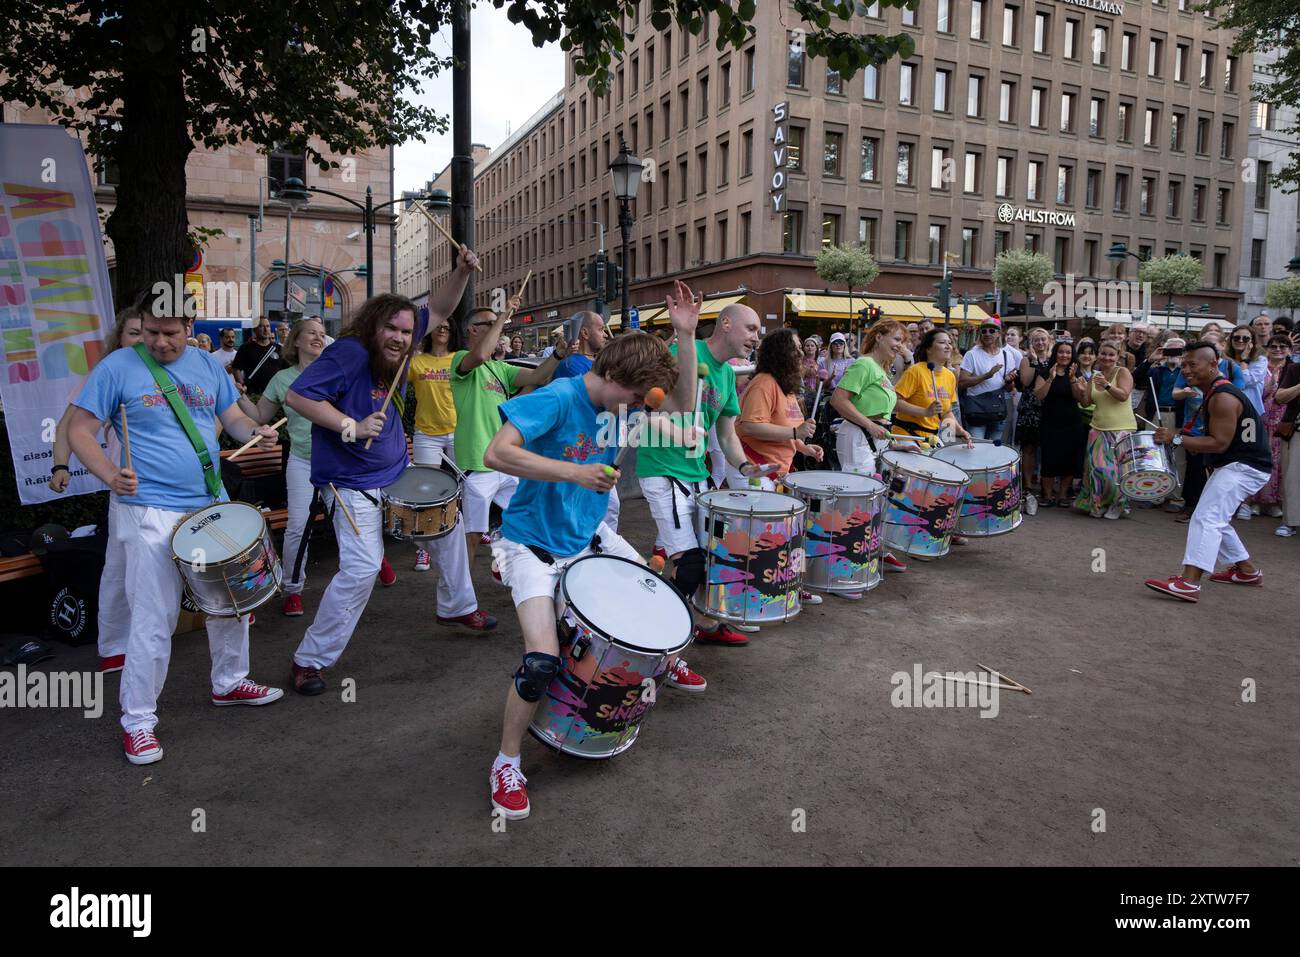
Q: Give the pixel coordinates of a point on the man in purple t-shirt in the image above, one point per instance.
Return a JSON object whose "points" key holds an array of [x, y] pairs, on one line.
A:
{"points": [[342, 393]]}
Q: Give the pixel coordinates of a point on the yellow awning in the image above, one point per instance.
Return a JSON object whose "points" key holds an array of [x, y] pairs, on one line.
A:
{"points": [[712, 307], [648, 315]]}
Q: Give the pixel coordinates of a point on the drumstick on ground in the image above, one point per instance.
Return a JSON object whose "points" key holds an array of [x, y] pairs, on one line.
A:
{"points": [[346, 514], [126, 437], [255, 439], [1003, 677], [450, 238], [973, 681], [401, 370]]}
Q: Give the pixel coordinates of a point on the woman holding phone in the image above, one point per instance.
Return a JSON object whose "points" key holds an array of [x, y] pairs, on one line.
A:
{"points": [[1061, 430]]}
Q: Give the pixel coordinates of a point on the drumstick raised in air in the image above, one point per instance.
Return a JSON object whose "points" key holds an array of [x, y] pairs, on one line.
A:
{"points": [[817, 401], [346, 514], [401, 370], [702, 372], [255, 439], [450, 238], [126, 437], [1155, 396], [933, 382]]}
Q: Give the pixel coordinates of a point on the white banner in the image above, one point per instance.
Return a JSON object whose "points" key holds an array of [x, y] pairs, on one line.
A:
{"points": [[56, 307]]}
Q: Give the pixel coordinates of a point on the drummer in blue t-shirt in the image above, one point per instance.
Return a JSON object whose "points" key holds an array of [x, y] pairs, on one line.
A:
{"points": [[554, 439], [586, 342]]}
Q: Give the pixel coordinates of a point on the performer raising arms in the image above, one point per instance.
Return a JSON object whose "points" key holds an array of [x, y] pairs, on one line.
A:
{"points": [[549, 439], [1235, 446], [174, 455], [342, 393], [671, 474]]}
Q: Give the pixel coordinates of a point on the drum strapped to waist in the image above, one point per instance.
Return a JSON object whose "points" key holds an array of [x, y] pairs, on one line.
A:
{"points": [[227, 559], [424, 502]]}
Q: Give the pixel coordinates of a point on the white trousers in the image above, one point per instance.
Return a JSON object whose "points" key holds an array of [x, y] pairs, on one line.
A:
{"points": [[297, 475], [153, 592], [114, 620], [853, 449], [481, 490], [1210, 534], [348, 591], [450, 554]]}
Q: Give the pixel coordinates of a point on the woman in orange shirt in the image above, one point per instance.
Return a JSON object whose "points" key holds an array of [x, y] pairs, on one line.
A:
{"points": [[772, 426]]}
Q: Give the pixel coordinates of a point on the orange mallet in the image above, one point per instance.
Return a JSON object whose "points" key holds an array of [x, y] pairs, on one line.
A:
{"points": [[653, 399]]}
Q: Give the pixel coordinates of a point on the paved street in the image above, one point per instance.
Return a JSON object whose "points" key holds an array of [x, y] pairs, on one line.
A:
{"points": [[1136, 711]]}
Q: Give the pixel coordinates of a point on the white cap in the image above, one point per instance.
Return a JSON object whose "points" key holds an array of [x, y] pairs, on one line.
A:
{"points": [[838, 337]]}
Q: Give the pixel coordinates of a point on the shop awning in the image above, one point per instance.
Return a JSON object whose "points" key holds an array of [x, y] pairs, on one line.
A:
{"points": [[712, 307], [648, 315]]}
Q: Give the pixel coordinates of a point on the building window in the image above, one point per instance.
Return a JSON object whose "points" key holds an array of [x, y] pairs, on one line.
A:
{"points": [[744, 234], [1264, 115], [1220, 269], [283, 164], [1127, 47], [1121, 193], [868, 233], [1065, 185], [1263, 171], [1225, 142], [1202, 135], [724, 86], [1067, 112], [970, 242], [871, 83], [1042, 32], [683, 106], [702, 172], [834, 85], [109, 174], [870, 152], [1100, 45], [1090, 256], [704, 96], [904, 174], [1198, 202], [1037, 99], [1174, 200], [975, 96], [1033, 242], [977, 19], [682, 187], [1207, 69], [1006, 101], [942, 79], [1006, 175], [722, 239], [749, 70], [1256, 258], [909, 14], [1061, 254], [724, 162], [1151, 134], [1146, 198], [1230, 74], [794, 150], [830, 229], [1155, 56], [1001, 242], [795, 61], [834, 148], [1096, 117], [746, 153], [937, 244], [792, 231], [1034, 189], [938, 168], [971, 182], [1177, 123], [902, 240], [1124, 124], [1222, 205], [943, 16], [1071, 39], [1181, 52], [906, 82], [1092, 189]]}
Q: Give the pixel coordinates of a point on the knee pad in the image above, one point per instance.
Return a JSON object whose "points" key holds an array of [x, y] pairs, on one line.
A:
{"points": [[535, 675], [689, 571]]}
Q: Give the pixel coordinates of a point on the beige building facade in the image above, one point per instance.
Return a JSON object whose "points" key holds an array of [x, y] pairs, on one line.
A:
{"points": [[1058, 125]]}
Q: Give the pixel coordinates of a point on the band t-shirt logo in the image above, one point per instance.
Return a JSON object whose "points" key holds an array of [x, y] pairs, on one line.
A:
{"points": [[557, 421], [435, 409], [165, 462]]}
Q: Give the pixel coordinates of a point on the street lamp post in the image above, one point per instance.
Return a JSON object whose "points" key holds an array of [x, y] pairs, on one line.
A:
{"points": [[626, 170]]}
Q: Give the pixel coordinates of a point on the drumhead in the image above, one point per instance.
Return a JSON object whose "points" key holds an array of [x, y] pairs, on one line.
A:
{"points": [[422, 485], [985, 455], [744, 501], [840, 483], [914, 463], [218, 532], [628, 603]]}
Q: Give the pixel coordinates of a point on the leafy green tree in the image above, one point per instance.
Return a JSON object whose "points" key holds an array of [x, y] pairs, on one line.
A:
{"points": [[1284, 294], [850, 265], [1171, 276], [1019, 270]]}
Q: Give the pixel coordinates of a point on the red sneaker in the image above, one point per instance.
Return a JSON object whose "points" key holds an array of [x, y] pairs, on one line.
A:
{"points": [[684, 679], [111, 664], [475, 621], [141, 746], [247, 692], [720, 635], [292, 606], [1234, 576], [386, 574], [508, 794], [1176, 587], [892, 564], [308, 681]]}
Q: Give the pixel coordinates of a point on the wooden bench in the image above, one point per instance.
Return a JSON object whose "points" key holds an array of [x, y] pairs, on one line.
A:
{"points": [[19, 567]]}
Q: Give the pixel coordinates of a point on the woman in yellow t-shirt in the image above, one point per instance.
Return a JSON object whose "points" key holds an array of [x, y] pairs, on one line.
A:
{"points": [[435, 412], [929, 384]]}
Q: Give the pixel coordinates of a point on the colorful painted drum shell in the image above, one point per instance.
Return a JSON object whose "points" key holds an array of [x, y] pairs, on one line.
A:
{"points": [[596, 704], [923, 498], [754, 562], [423, 504], [227, 559], [843, 529], [1145, 472], [992, 503]]}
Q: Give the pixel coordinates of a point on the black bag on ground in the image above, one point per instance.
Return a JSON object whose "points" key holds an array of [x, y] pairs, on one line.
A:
{"points": [[71, 581]]}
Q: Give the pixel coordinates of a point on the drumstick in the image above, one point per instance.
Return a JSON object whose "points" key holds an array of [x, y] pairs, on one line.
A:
{"points": [[522, 287], [126, 436], [1003, 677], [972, 681], [817, 401], [933, 382], [450, 238], [702, 372], [1148, 422], [1155, 396], [255, 439], [391, 389], [653, 399], [346, 514]]}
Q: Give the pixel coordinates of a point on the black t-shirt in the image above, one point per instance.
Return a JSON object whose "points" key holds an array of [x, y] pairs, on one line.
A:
{"points": [[247, 359]]}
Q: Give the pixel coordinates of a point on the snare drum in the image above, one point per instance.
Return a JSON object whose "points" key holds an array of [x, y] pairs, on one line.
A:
{"points": [[1145, 472], [424, 503], [991, 505], [846, 512], [753, 546], [225, 554], [924, 494], [613, 662]]}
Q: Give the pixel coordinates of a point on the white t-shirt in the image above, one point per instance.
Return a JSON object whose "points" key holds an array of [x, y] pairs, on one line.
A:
{"points": [[977, 362], [224, 356]]}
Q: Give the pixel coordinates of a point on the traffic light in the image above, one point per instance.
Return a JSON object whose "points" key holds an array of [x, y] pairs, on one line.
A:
{"points": [[864, 314], [942, 294], [596, 270], [613, 281]]}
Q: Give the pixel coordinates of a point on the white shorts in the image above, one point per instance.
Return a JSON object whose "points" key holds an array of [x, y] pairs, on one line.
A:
{"points": [[430, 449], [481, 490], [663, 496], [527, 576]]}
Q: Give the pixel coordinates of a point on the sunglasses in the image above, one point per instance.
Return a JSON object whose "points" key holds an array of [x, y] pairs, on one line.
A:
{"points": [[1278, 346], [1243, 338]]}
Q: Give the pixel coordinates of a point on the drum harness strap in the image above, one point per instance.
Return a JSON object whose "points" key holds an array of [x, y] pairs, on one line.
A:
{"points": [[317, 507], [544, 556], [211, 476], [688, 492]]}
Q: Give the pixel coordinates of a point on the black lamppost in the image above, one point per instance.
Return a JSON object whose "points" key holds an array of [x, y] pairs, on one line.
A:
{"points": [[626, 169]]}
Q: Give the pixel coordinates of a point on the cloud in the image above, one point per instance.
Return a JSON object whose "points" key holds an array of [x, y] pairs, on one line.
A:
{"points": [[510, 80]]}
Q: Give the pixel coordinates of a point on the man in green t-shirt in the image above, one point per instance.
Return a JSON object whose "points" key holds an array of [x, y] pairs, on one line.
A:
{"points": [[672, 474], [479, 384]]}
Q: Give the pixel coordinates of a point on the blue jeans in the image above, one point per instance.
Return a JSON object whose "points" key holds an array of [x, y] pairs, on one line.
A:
{"points": [[991, 431]]}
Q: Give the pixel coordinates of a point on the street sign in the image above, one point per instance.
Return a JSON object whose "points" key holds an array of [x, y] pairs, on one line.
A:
{"points": [[633, 317]]}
